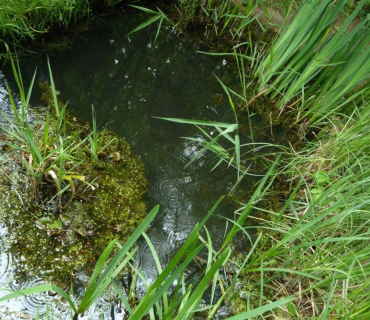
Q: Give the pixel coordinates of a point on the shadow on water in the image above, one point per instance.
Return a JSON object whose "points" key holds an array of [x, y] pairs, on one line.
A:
{"points": [[130, 81]]}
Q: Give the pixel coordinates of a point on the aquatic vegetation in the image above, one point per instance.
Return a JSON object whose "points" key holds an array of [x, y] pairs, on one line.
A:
{"points": [[73, 237], [313, 246], [319, 73], [185, 300], [21, 20], [221, 18], [159, 16], [309, 258], [69, 202]]}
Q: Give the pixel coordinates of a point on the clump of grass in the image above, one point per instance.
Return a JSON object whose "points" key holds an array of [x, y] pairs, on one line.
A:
{"points": [[318, 72], [21, 20], [321, 236], [221, 18], [60, 156], [47, 154], [316, 244]]}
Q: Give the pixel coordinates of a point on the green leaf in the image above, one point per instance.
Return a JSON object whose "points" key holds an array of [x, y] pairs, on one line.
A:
{"points": [[96, 286], [197, 294], [261, 310], [144, 9], [53, 91], [39, 289], [145, 24], [122, 297], [81, 231], [198, 122], [322, 177], [57, 224]]}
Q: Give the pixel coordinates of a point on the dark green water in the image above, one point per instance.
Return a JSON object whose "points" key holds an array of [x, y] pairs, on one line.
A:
{"points": [[132, 80]]}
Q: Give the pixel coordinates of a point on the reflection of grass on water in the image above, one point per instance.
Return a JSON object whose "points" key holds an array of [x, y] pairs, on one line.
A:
{"points": [[311, 258]]}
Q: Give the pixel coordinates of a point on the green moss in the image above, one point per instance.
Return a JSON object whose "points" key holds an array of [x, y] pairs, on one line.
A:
{"points": [[245, 295], [53, 243]]}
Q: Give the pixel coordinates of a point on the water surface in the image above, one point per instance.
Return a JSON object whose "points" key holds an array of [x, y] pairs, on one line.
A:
{"points": [[132, 81]]}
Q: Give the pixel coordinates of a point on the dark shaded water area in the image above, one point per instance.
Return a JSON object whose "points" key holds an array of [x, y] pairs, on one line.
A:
{"points": [[131, 81]]}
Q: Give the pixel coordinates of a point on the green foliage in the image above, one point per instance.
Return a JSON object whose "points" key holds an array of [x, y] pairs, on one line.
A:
{"points": [[320, 72], [314, 246], [156, 300], [159, 16], [320, 235], [39, 154], [313, 250], [61, 158], [220, 18], [20, 20]]}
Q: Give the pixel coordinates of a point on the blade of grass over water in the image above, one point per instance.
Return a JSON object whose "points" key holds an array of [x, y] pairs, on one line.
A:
{"points": [[160, 15], [197, 294], [198, 122], [56, 105], [39, 289], [171, 272], [98, 285]]}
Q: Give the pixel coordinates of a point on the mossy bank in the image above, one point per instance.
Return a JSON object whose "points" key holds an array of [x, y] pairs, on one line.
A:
{"points": [[52, 235]]}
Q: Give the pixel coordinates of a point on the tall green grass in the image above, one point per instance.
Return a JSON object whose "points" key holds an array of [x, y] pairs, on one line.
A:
{"points": [[317, 243], [316, 65], [221, 18], [325, 226], [49, 151], [21, 20]]}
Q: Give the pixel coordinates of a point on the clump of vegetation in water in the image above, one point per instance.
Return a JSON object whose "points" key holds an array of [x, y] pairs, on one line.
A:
{"points": [[71, 238], [21, 20], [69, 203]]}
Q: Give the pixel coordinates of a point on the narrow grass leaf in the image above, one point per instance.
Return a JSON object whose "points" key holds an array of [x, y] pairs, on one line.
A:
{"points": [[261, 310]]}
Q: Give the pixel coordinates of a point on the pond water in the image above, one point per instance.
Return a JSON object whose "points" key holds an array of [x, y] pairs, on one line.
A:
{"points": [[131, 81]]}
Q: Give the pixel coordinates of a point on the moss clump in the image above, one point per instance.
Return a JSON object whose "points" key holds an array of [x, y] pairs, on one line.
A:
{"points": [[53, 241], [245, 295], [121, 184]]}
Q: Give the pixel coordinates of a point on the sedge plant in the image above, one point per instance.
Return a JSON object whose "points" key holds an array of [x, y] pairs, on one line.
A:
{"points": [[316, 68], [47, 152]]}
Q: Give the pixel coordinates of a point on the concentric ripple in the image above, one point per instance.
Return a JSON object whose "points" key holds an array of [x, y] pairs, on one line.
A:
{"points": [[164, 249], [173, 190], [5, 267], [35, 303]]}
